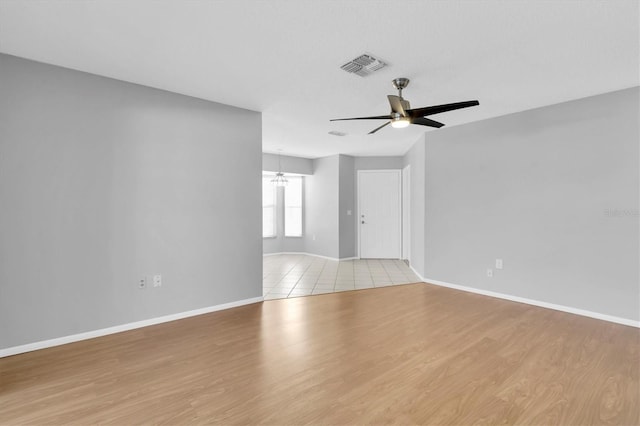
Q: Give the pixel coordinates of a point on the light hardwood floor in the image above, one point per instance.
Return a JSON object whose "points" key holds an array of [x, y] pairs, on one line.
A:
{"points": [[412, 354]]}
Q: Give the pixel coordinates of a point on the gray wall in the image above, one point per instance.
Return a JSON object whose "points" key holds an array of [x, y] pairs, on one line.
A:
{"points": [[322, 201], [552, 191], [347, 201], [102, 182], [378, 163], [415, 158], [297, 165]]}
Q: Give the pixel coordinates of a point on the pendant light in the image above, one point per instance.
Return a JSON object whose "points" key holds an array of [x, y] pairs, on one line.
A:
{"points": [[279, 180]]}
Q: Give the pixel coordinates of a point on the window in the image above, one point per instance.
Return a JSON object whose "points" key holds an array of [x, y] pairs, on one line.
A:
{"points": [[293, 207], [268, 207]]}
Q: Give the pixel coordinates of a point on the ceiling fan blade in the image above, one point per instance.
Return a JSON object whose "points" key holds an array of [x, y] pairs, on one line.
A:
{"points": [[426, 122], [396, 104], [437, 109], [376, 117], [378, 128]]}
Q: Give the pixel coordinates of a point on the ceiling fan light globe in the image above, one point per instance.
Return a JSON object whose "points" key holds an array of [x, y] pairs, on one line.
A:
{"points": [[399, 123]]}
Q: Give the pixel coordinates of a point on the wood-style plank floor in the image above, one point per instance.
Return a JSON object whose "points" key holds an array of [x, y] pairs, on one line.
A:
{"points": [[413, 354]]}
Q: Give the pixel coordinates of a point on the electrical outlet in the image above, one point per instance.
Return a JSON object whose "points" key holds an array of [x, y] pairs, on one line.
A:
{"points": [[157, 280], [498, 263], [490, 272], [142, 283]]}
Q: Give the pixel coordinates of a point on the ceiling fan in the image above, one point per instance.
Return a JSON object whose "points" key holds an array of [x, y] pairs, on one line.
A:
{"points": [[402, 115]]}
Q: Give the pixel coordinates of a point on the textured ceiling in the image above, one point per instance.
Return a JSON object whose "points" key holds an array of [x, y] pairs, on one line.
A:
{"points": [[283, 57]]}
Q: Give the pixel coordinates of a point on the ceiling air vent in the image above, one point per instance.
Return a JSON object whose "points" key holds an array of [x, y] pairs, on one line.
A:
{"points": [[363, 65]]}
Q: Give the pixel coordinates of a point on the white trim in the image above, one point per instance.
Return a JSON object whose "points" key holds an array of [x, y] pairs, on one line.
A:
{"points": [[406, 212], [562, 308], [274, 207], [310, 254], [302, 210], [123, 327]]}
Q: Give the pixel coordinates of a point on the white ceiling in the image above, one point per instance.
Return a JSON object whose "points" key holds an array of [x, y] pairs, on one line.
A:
{"points": [[283, 57]]}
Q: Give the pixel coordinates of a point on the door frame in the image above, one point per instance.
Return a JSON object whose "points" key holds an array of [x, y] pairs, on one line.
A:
{"points": [[358, 192], [406, 213]]}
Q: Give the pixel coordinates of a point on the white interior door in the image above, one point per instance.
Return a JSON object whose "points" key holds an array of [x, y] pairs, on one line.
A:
{"points": [[379, 217]]}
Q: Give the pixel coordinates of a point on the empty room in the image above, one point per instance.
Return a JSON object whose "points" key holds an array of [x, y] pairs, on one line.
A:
{"points": [[320, 212]]}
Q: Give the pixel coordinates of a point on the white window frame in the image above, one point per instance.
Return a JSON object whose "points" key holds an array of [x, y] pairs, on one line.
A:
{"points": [[300, 206], [266, 180]]}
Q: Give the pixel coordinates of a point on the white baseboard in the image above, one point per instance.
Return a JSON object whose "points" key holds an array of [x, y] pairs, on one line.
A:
{"points": [[310, 254], [416, 272], [562, 308], [274, 254], [124, 327]]}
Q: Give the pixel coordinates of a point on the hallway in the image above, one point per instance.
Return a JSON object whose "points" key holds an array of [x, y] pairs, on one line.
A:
{"points": [[293, 275]]}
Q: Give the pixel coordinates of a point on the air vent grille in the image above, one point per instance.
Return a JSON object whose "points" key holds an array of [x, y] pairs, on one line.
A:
{"points": [[363, 65]]}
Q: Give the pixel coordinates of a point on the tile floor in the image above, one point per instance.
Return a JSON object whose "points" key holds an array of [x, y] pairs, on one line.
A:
{"points": [[293, 275]]}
